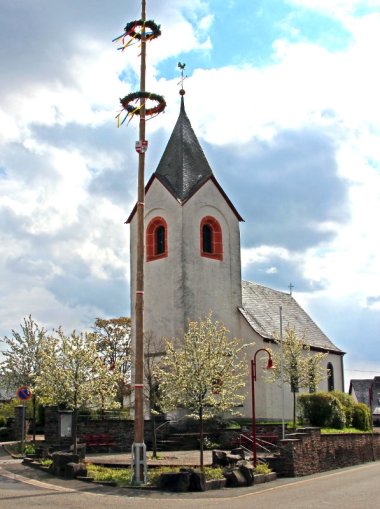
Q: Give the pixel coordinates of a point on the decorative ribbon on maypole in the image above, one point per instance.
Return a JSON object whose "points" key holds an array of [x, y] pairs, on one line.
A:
{"points": [[139, 103], [134, 32]]}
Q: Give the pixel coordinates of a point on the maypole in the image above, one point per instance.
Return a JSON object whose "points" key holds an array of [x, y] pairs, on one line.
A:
{"points": [[140, 31]]}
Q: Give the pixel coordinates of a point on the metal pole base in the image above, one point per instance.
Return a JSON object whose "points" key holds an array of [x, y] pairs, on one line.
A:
{"points": [[139, 463]]}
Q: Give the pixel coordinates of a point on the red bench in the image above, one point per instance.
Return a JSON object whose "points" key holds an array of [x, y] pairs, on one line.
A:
{"points": [[97, 440]]}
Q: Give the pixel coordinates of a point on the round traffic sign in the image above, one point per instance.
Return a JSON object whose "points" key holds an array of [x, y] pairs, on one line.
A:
{"points": [[24, 393]]}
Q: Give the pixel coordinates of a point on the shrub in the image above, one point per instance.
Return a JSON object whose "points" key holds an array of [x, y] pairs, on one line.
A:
{"points": [[361, 417], [3, 421], [322, 409], [123, 476], [29, 448], [47, 462], [348, 404], [262, 468], [338, 416], [8, 409]]}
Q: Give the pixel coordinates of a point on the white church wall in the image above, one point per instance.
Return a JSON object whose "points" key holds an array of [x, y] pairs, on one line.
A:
{"points": [[209, 284], [268, 395], [163, 313]]}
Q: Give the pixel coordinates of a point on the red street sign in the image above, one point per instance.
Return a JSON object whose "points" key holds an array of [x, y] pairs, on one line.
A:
{"points": [[141, 146], [23, 393]]}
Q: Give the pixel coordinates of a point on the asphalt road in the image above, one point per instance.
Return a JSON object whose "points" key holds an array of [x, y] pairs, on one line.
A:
{"points": [[350, 488]]}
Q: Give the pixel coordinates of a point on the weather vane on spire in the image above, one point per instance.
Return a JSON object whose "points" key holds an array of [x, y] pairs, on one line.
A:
{"points": [[182, 67]]}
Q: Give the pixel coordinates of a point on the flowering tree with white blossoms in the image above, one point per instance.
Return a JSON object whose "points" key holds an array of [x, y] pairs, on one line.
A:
{"points": [[203, 373], [301, 368], [72, 373], [21, 359]]}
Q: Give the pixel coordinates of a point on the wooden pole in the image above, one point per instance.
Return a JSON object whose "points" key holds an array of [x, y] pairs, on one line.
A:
{"points": [[139, 447]]}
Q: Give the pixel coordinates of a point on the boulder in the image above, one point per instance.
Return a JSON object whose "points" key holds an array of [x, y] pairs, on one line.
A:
{"points": [[219, 458], [175, 481], [235, 479], [239, 451], [197, 481], [247, 470], [73, 470], [60, 460]]}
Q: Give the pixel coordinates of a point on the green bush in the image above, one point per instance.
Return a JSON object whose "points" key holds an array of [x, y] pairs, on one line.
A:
{"points": [[123, 476], [322, 409], [361, 417], [29, 448], [348, 404], [3, 421], [262, 468], [338, 415], [8, 409]]}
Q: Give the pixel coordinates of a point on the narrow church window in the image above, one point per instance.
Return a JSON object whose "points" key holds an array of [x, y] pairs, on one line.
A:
{"points": [[330, 377], [207, 238], [211, 238], [156, 239], [160, 240]]}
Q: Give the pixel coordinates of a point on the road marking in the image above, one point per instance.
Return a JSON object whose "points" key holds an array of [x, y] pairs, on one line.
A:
{"points": [[296, 483], [216, 500], [34, 482]]}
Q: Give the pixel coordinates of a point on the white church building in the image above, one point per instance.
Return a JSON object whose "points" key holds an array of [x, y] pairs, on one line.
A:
{"points": [[192, 266]]}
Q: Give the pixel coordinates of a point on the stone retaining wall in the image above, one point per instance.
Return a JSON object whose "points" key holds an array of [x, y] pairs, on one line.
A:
{"points": [[121, 432], [308, 452]]}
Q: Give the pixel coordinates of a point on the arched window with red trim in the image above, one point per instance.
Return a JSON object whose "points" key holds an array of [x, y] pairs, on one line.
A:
{"points": [[211, 238], [156, 239]]}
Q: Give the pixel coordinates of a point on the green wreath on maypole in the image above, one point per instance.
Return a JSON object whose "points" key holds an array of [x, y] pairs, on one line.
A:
{"points": [[132, 26], [135, 110], [136, 30]]}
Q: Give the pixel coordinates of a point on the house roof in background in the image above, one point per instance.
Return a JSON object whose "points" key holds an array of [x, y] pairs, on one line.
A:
{"points": [[261, 307], [361, 389]]}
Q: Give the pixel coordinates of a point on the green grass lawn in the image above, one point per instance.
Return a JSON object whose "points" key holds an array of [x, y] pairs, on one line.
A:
{"points": [[123, 476], [327, 431]]}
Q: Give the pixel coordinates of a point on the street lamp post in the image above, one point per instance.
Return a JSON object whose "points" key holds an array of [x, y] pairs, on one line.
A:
{"points": [[253, 380]]}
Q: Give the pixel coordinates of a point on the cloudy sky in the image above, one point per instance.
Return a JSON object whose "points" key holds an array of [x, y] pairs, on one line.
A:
{"points": [[284, 98]]}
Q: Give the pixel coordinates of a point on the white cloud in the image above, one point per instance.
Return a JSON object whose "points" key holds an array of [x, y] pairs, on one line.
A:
{"points": [[263, 254], [56, 226], [336, 8]]}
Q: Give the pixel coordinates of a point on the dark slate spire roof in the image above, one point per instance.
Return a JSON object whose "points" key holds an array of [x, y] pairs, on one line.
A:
{"points": [[183, 167], [261, 310]]}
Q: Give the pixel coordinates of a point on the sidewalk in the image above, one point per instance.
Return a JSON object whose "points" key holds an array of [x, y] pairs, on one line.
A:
{"points": [[171, 458]]}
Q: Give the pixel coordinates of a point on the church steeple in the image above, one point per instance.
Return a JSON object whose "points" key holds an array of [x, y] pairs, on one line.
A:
{"points": [[183, 167]]}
